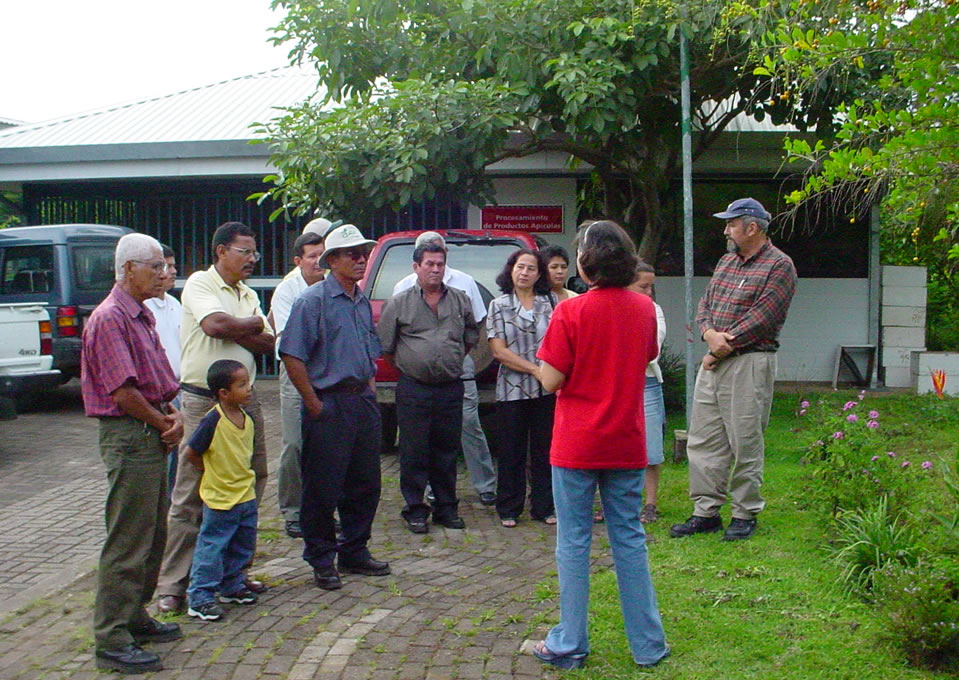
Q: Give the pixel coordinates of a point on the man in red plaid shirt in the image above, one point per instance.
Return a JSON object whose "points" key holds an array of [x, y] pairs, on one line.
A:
{"points": [[740, 317]]}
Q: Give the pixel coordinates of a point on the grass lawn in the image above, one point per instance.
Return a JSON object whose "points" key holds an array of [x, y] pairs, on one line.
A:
{"points": [[768, 607]]}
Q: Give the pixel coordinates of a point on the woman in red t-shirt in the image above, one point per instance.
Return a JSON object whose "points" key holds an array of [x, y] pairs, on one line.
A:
{"points": [[594, 356]]}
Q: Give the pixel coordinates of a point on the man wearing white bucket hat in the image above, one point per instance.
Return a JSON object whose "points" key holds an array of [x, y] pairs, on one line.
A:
{"points": [[330, 349], [307, 250]]}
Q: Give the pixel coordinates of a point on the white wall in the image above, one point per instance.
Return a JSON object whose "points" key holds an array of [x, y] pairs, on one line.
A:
{"points": [[536, 191], [824, 314]]}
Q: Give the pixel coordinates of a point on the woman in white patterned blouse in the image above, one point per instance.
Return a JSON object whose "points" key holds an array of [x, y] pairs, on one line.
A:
{"points": [[517, 322]]}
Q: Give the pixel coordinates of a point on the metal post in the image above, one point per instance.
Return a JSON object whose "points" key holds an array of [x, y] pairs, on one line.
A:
{"points": [[687, 220]]}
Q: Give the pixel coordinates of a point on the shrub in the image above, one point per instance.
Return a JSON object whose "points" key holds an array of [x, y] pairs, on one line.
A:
{"points": [[673, 366], [849, 461], [869, 541], [921, 604]]}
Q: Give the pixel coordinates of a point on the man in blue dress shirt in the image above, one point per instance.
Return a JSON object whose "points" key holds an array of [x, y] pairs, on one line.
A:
{"points": [[330, 349]]}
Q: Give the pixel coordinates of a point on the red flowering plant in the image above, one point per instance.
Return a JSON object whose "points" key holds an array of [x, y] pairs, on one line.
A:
{"points": [[850, 464]]}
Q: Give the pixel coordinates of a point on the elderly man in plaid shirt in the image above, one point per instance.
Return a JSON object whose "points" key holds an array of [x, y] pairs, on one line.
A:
{"points": [[740, 317]]}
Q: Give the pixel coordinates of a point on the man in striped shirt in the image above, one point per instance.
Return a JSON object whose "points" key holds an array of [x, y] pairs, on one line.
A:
{"points": [[740, 317]]}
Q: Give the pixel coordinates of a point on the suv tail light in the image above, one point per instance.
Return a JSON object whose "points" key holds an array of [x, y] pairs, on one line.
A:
{"points": [[68, 323], [46, 337]]}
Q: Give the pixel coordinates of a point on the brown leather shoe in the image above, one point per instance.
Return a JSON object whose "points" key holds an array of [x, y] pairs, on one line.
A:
{"points": [[255, 586], [171, 604]]}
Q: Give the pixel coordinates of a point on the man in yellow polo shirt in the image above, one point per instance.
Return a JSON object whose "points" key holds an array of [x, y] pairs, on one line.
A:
{"points": [[222, 319]]}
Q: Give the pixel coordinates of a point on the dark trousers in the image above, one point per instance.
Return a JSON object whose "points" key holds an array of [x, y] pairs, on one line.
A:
{"points": [[526, 428], [430, 419], [136, 509], [341, 471]]}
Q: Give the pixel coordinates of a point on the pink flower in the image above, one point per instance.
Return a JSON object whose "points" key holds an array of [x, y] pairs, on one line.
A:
{"points": [[891, 454], [875, 458], [905, 464], [838, 435], [862, 395], [873, 424], [820, 442], [802, 411], [804, 404], [874, 414], [852, 418], [926, 464], [848, 405]]}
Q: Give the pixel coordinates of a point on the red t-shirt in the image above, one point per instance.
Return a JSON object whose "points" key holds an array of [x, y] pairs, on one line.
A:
{"points": [[602, 342]]}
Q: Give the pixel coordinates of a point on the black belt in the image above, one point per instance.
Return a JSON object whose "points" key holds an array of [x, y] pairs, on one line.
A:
{"points": [[748, 350], [444, 383], [344, 388], [198, 391]]}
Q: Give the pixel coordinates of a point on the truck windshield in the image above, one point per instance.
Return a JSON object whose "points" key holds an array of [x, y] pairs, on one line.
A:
{"points": [[482, 261]]}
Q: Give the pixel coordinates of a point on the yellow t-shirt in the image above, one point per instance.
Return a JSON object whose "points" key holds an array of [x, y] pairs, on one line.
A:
{"points": [[206, 293], [227, 451]]}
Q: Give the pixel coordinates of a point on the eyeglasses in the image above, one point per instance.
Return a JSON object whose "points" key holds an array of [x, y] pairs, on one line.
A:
{"points": [[356, 255], [158, 267], [246, 252]]}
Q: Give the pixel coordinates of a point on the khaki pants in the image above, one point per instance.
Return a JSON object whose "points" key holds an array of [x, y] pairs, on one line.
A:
{"points": [[186, 507], [289, 486], [726, 449], [136, 509]]}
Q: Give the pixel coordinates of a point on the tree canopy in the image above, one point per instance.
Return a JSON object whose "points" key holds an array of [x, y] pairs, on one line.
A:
{"points": [[423, 95], [900, 138]]}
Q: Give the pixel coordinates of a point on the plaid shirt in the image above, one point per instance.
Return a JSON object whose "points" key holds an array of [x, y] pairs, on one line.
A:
{"points": [[121, 345], [749, 298]]}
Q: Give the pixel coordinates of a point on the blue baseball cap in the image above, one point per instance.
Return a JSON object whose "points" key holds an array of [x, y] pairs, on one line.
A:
{"points": [[744, 206]]}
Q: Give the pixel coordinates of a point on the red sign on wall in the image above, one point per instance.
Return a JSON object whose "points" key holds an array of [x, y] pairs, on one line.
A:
{"points": [[531, 218]]}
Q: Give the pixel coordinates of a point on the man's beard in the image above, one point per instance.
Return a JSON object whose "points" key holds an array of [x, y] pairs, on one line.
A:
{"points": [[732, 246]]}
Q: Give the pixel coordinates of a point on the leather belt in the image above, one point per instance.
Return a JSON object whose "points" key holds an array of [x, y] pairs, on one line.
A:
{"points": [[748, 350], [344, 388], [198, 391]]}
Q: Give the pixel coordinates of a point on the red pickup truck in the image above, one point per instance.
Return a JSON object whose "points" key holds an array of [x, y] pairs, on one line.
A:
{"points": [[481, 254]]}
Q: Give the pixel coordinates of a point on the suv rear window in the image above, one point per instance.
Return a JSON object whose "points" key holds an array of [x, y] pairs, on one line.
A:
{"points": [[27, 269], [482, 261], [93, 267]]}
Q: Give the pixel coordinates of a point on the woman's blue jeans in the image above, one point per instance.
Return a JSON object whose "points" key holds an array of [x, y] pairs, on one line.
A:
{"points": [[224, 547], [621, 493]]}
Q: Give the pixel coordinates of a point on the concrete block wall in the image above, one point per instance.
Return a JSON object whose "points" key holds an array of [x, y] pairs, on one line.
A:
{"points": [[924, 363], [903, 322]]}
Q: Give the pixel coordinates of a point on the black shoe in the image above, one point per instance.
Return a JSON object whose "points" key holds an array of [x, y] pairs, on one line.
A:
{"points": [[697, 525], [487, 498], [327, 578], [454, 522], [242, 596], [740, 529], [154, 631], [208, 611], [418, 526], [129, 659], [293, 529], [369, 567]]}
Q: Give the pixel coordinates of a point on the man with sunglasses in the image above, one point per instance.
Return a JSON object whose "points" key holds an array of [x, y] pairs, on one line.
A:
{"points": [[329, 349], [222, 319]]}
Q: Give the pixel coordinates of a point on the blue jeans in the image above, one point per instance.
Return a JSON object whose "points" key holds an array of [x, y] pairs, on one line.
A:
{"points": [[655, 410], [224, 547], [621, 492]]}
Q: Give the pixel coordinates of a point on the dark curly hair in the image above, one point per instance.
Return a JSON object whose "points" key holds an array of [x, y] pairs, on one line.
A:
{"points": [[228, 232], [607, 255], [551, 251], [505, 278], [220, 375]]}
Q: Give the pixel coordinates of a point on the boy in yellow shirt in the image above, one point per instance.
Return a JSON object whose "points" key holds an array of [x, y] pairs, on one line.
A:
{"points": [[222, 448]]}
